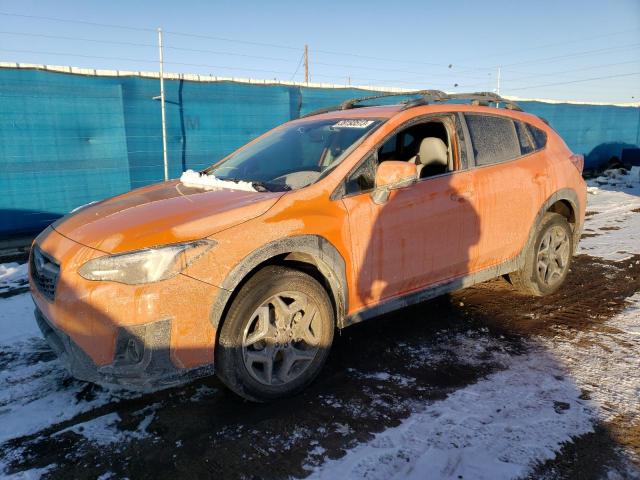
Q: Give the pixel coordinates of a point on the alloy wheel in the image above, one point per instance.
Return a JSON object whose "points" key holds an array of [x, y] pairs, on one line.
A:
{"points": [[553, 255], [281, 338]]}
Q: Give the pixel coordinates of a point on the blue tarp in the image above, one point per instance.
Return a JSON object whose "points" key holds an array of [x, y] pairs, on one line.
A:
{"points": [[68, 139]]}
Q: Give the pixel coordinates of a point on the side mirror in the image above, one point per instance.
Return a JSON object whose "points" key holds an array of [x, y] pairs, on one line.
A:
{"points": [[392, 175]]}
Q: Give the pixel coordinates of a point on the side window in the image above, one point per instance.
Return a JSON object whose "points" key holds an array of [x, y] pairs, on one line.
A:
{"points": [[539, 137], [405, 145], [524, 137], [388, 150], [408, 140], [363, 178], [494, 139]]}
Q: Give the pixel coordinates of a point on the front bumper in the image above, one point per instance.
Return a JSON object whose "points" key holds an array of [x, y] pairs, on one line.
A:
{"points": [[137, 336], [142, 360]]}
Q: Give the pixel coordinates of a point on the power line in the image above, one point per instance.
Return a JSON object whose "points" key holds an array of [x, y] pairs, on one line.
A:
{"points": [[298, 67], [590, 67], [224, 39], [81, 22], [424, 74], [553, 74], [329, 52], [222, 67], [211, 37], [576, 81], [62, 37], [136, 44], [575, 54], [357, 67], [142, 60], [549, 45]]}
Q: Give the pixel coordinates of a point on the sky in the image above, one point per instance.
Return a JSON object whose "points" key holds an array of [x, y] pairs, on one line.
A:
{"points": [[564, 50]]}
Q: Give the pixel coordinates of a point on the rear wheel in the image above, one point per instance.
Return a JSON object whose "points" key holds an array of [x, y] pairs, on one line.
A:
{"points": [[547, 262], [276, 335]]}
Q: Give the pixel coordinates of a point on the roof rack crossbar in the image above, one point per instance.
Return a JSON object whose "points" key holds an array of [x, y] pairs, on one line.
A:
{"points": [[478, 98], [347, 104]]}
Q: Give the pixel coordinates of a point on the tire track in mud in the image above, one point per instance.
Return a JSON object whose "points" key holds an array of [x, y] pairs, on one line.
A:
{"points": [[377, 374], [595, 290]]}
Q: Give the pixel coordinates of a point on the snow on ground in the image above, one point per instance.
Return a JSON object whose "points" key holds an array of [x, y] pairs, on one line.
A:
{"points": [[522, 415], [210, 182], [35, 392], [12, 275], [104, 431], [491, 429], [504, 424], [16, 319], [612, 227], [607, 359]]}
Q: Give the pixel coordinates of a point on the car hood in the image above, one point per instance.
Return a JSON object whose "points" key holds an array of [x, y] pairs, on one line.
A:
{"points": [[164, 213]]}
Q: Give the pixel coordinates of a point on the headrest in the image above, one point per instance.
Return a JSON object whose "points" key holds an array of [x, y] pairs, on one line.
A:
{"points": [[433, 151]]}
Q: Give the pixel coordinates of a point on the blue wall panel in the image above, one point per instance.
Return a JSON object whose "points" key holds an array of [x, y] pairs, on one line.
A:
{"points": [[62, 144], [597, 131], [67, 139]]}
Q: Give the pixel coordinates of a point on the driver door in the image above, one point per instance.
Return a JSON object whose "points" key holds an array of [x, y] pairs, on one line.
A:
{"points": [[413, 240]]}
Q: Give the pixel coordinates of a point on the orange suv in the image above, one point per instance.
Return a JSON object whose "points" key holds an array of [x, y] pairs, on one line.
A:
{"points": [[249, 266]]}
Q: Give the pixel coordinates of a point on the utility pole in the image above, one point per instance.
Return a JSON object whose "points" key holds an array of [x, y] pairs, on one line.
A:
{"points": [[306, 64], [162, 108], [498, 87]]}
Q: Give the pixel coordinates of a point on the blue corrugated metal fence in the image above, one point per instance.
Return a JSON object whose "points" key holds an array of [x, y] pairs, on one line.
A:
{"points": [[68, 139]]}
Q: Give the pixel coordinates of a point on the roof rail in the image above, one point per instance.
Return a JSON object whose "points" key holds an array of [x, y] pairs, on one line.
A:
{"points": [[353, 102], [477, 98], [425, 97]]}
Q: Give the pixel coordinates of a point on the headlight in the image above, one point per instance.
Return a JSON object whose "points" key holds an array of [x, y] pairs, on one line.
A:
{"points": [[146, 265]]}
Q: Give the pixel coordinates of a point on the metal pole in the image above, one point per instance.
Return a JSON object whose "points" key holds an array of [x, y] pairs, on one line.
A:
{"points": [[306, 64], [162, 108], [498, 87]]}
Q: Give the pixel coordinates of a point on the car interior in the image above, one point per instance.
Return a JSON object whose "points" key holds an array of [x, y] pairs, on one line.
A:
{"points": [[425, 144]]}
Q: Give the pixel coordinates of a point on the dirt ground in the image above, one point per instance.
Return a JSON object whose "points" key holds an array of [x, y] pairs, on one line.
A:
{"points": [[202, 430]]}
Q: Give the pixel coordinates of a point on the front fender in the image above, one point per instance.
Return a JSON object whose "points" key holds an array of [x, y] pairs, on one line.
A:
{"points": [[312, 248]]}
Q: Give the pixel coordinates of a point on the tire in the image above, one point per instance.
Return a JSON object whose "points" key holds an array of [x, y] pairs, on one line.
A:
{"points": [[276, 335], [553, 247]]}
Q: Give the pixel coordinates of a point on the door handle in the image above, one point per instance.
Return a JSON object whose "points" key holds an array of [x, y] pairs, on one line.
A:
{"points": [[462, 196]]}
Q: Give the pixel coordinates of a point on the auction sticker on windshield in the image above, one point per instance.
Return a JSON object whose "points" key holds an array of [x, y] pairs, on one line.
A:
{"points": [[357, 123]]}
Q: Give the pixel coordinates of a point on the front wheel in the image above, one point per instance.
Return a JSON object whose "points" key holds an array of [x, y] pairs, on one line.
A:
{"points": [[276, 335], [547, 262]]}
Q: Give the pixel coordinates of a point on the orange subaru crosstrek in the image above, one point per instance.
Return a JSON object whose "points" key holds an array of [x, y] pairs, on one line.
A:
{"points": [[248, 267]]}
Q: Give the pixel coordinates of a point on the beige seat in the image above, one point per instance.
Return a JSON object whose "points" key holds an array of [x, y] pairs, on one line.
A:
{"points": [[432, 158]]}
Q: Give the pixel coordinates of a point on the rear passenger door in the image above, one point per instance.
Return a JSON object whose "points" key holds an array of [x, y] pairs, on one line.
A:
{"points": [[510, 185]]}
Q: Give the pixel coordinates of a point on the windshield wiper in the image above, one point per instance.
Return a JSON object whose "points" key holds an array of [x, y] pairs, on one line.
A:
{"points": [[261, 186], [271, 187]]}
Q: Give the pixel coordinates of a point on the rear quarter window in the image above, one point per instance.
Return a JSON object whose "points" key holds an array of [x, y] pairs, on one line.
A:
{"points": [[527, 144], [539, 137], [494, 138]]}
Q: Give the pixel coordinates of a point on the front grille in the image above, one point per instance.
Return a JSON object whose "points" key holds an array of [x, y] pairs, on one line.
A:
{"points": [[44, 272]]}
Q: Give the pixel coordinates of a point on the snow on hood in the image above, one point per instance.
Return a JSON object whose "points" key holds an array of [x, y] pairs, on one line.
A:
{"points": [[210, 182]]}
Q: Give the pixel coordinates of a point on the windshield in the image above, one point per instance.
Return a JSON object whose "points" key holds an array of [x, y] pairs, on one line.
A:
{"points": [[293, 156]]}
